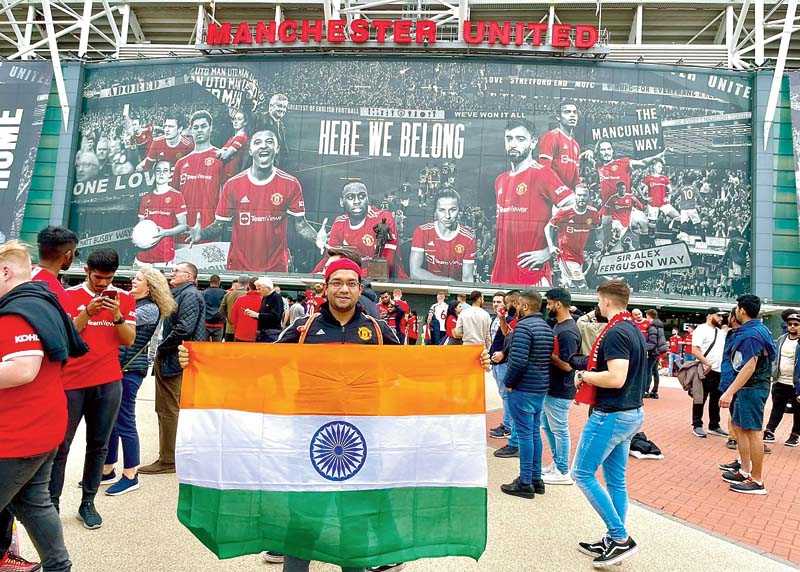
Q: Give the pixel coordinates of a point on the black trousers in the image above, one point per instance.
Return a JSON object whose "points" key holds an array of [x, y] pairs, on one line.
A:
{"points": [[24, 489], [782, 394], [711, 394], [652, 364], [99, 406]]}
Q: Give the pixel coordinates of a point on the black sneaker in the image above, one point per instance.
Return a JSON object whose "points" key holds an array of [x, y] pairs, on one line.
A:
{"points": [[732, 466], [734, 477], [654, 396], [769, 436], [388, 567], [593, 548], [538, 486], [731, 444], [518, 489], [647, 396], [792, 441], [699, 432], [718, 432], [616, 552], [498, 432], [507, 452], [749, 487], [89, 516]]}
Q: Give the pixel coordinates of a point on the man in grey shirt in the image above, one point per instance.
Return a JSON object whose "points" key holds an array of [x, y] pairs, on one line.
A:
{"points": [[474, 323]]}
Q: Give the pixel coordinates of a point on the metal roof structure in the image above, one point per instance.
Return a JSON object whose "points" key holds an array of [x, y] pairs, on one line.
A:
{"points": [[741, 34]]}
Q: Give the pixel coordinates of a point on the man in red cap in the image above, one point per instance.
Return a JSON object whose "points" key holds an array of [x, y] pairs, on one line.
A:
{"points": [[341, 319]]}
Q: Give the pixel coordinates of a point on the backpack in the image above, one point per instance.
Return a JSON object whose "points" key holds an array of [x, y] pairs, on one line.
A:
{"points": [[643, 448]]}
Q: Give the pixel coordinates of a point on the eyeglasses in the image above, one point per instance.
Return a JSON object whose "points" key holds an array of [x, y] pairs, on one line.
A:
{"points": [[178, 271], [339, 284], [792, 324]]}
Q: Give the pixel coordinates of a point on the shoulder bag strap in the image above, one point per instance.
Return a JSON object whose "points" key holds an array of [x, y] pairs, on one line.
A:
{"points": [[307, 325], [714, 341]]}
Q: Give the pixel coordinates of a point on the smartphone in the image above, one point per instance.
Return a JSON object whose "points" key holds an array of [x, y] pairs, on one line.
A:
{"points": [[110, 294]]}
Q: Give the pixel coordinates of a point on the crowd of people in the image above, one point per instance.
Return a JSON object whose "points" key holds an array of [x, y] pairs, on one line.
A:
{"points": [[82, 353]]}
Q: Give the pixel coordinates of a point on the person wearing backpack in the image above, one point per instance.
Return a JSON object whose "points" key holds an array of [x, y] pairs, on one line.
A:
{"points": [[708, 342], [656, 344]]}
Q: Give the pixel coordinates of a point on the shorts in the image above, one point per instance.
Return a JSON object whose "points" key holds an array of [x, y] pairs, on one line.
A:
{"points": [[666, 208], [748, 411], [690, 215], [571, 270]]}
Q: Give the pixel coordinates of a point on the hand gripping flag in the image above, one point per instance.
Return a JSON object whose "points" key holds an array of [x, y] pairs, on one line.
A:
{"points": [[348, 454]]}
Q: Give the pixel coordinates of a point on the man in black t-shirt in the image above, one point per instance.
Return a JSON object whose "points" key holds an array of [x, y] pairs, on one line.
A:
{"points": [[619, 373], [555, 420]]}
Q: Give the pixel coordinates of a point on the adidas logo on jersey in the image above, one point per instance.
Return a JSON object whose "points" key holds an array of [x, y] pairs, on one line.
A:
{"points": [[320, 332], [431, 243], [244, 200]]}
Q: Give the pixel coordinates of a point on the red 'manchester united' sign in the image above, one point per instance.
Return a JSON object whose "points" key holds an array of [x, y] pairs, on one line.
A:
{"points": [[400, 32]]}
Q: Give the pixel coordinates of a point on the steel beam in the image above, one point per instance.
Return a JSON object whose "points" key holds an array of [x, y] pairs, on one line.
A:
{"points": [[84, 41], [777, 77], [55, 59]]}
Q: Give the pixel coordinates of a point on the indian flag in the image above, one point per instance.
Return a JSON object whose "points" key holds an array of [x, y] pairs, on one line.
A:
{"points": [[349, 454]]}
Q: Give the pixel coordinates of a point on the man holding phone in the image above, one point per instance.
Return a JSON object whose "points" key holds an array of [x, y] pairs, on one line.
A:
{"points": [[105, 316]]}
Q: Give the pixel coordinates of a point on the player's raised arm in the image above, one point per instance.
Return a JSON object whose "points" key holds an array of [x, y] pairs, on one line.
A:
{"points": [[639, 163]]}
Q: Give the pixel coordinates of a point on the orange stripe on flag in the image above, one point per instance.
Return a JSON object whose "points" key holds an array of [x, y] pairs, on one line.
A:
{"points": [[336, 379]]}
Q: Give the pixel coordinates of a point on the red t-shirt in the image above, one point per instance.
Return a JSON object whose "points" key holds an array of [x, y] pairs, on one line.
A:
{"points": [[245, 327], [450, 326], [643, 325], [159, 149], [619, 208], [101, 364], [573, 231], [198, 176], [33, 417], [163, 209], [258, 212], [444, 257], [524, 204], [657, 189], [411, 328], [39, 274], [613, 172], [674, 344], [235, 162], [562, 153]]}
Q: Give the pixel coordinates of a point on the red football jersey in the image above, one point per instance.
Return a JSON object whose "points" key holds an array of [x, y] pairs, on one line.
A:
{"points": [[562, 153], [657, 189], [198, 177], [524, 204], [620, 207], [642, 326], [33, 416], [163, 209], [613, 172], [674, 344], [39, 274], [258, 212], [573, 231], [235, 163], [101, 364], [245, 328], [361, 237], [159, 149], [444, 257]]}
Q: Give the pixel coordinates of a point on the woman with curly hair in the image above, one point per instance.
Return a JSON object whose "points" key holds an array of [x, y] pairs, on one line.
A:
{"points": [[153, 302]]}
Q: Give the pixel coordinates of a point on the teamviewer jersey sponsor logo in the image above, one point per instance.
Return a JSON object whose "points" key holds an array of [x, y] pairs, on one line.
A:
{"points": [[246, 218]]}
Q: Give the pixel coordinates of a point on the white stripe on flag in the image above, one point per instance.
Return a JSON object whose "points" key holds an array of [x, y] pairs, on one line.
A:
{"points": [[227, 449]]}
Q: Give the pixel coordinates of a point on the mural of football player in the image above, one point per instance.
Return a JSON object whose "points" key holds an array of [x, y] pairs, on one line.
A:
{"points": [[558, 148], [258, 203], [567, 234], [166, 208], [613, 171], [622, 211], [234, 152], [276, 122], [172, 145], [354, 228], [525, 194], [443, 249]]}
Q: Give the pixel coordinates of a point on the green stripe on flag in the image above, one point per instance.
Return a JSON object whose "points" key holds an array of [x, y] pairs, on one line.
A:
{"points": [[350, 528]]}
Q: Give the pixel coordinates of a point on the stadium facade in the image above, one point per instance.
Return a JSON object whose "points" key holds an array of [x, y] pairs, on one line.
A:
{"points": [[662, 130]]}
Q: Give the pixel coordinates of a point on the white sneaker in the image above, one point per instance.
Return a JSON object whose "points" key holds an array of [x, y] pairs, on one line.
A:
{"points": [[557, 478], [271, 557], [549, 469]]}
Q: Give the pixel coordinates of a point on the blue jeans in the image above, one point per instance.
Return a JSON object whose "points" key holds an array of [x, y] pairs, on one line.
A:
{"points": [[292, 564], [674, 363], [499, 372], [606, 440], [526, 412], [125, 427], [555, 423]]}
